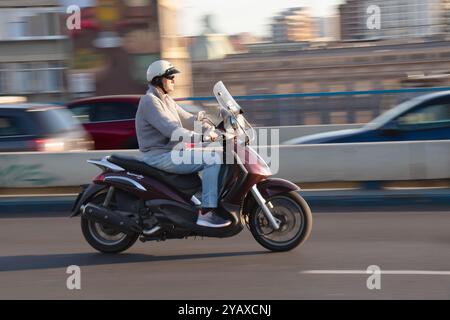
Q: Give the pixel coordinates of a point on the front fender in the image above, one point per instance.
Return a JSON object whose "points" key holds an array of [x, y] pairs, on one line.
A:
{"points": [[268, 188], [274, 186], [87, 192]]}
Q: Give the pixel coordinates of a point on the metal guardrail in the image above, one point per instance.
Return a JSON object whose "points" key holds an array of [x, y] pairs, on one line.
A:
{"points": [[321, 94], [320, 107]]}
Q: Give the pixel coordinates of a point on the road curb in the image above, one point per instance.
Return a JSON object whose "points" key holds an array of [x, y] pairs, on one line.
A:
{"points": [[36, 204], [335, 199]]}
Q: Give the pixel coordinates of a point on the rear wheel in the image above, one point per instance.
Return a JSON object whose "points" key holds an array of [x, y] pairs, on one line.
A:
{"points": [[104, 238], [295, 219]]}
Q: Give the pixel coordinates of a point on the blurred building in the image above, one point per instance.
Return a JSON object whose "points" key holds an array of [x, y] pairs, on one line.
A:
{"points": [[327, 68], [242, 41], [399, 18], [117, 42], [331, 67], [210, 44], [34, 50], [327, 28], [447, 16], [294, 24]]}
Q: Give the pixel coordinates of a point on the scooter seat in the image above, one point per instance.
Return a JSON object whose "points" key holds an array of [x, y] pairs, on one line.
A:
{"points": [[187, 183]]}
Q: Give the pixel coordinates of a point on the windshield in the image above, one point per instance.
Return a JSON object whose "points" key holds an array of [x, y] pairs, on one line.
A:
{"points": [[225, 99], [233, 119]]}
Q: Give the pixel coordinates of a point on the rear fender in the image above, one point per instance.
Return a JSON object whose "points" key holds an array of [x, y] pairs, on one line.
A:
{"points": [[88, 191]]}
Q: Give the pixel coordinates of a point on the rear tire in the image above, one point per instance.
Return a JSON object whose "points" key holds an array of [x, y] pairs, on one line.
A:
{"points": [[104, 238], [295, 227]]}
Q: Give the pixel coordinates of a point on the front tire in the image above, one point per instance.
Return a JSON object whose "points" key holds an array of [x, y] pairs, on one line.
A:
{"points": [[104, 238], [296, 222]]}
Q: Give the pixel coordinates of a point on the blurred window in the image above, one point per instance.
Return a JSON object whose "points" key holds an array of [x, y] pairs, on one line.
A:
{"points": [[137, 3], [32, 77], [11, 126], [53, 77], [2, 81], [30, 22], [17, 29], [17, 78], [285, 88], [361, 60], [105, 111], [115, 111], [51, 24], [82, 113], [419, 57], [432, 114], [54, 120], [24, 78]]}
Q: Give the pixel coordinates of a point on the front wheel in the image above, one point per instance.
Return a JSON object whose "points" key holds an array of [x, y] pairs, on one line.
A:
{"points": [[295, 227]]}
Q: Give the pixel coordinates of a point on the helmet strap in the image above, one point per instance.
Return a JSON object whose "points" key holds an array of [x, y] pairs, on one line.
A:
{"points": [[158, 82]]}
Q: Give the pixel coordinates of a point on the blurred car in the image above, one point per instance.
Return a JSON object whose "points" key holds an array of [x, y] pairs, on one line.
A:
{"points": [[110, 119], [40, 127], [426, 117]]}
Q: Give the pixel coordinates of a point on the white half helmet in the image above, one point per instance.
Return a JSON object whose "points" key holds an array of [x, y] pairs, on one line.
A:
{"points": [[160, 68]]}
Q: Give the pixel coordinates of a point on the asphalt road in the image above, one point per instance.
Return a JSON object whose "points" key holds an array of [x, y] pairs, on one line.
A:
{"points": [[35, 252]]}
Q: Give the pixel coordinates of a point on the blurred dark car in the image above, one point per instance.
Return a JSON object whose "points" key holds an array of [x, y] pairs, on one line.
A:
{"points": [[40, 127], [426, 117], [110, 119]]}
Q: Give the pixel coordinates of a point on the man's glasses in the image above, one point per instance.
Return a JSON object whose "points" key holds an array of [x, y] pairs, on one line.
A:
{"points": [[171, 77]]}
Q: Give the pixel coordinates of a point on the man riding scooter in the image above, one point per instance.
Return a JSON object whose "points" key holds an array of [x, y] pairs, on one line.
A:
{"points": [[157, 118]]}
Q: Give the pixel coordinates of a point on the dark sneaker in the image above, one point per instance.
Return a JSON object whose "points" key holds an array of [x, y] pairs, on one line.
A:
{"points": [[212, 220]]}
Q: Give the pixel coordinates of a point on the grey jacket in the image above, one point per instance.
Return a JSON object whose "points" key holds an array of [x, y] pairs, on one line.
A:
{"points": [[157, 117]]}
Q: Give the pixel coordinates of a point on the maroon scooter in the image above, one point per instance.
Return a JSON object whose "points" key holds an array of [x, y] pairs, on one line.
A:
{"points": [[131, 200]]}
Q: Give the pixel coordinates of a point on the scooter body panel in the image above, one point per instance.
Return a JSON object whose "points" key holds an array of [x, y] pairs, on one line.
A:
{"points": [[143, 187]]}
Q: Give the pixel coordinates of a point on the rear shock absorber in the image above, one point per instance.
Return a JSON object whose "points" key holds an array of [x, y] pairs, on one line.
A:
{"points": [[109, 196]]}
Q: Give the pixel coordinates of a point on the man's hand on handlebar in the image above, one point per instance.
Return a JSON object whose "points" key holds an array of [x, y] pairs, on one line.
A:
{"points": [[211, 135]]}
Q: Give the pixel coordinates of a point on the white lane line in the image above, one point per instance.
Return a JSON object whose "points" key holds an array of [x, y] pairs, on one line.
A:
{"points": [[395, 272]]}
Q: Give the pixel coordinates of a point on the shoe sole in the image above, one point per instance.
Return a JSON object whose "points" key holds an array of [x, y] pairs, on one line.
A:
{"points": [[206, 224]]}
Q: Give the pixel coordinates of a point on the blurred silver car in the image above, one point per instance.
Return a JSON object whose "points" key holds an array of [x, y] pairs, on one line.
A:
{"points": [[40, 127]]}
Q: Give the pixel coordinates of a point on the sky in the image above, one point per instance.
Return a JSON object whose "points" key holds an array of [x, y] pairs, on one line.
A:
{"points": [[236, 16]]}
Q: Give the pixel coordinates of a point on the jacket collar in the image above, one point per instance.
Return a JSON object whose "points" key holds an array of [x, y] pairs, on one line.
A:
{"points": [[156, 92]]}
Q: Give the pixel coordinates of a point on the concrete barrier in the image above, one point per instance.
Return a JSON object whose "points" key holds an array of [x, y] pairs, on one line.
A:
{"points": [[35, 169], [378, 161], [303, 163]]}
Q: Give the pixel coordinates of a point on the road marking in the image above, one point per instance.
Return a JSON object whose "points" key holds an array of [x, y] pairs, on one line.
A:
{"points": [[394, 272]]}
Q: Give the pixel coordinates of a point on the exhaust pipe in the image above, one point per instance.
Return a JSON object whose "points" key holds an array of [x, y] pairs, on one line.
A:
{"points": [[111, 218]]}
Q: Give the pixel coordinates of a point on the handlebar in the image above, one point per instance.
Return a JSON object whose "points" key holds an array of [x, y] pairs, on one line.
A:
{"points": [[220, 133]]}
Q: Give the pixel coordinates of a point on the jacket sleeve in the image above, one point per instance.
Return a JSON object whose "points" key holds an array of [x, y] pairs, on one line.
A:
{"points": [[157, 117], [185, 116], [190, 119]]}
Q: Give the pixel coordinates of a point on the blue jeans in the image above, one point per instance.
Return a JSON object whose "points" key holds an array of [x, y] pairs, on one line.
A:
{"points": [[193, 161]]}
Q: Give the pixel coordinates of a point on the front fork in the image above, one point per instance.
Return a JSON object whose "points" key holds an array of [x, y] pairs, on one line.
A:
{"points": [[274, 222]]}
